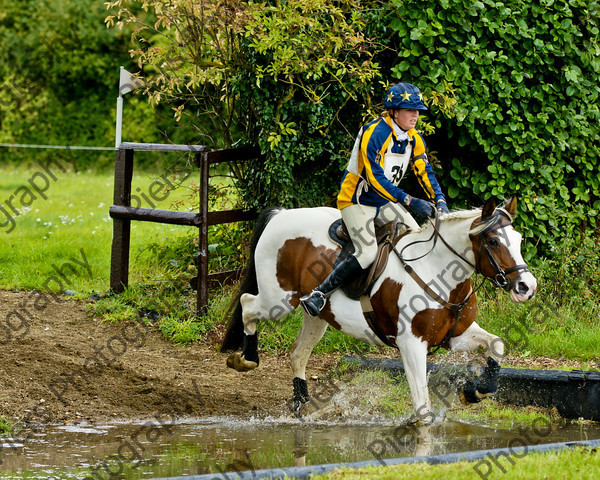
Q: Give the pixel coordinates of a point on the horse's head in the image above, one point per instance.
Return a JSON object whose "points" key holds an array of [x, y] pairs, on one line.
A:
{"points": [[497, 249]]}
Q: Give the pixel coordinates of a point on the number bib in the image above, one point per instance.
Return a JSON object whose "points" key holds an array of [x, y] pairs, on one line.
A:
{"points": [[395, 165]]}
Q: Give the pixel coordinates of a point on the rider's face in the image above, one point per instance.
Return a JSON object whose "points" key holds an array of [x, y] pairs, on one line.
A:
{"points": [[406, 118]]}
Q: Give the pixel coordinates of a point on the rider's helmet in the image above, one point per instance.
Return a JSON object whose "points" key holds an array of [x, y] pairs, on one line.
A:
{"points": [[404, 95]]}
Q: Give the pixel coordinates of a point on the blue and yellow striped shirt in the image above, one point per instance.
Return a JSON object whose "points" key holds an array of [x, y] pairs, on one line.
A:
{"points": [[376, 138]]}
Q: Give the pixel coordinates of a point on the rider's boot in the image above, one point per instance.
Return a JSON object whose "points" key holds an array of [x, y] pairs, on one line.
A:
{"points": [[314, 302]]}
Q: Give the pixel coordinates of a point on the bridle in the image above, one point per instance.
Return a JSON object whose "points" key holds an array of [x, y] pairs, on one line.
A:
{"points": [[500, 219], [501, 279]]}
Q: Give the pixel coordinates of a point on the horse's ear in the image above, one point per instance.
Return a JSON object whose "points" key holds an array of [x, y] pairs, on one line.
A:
{"points": [[488, 208], [511, 206]]}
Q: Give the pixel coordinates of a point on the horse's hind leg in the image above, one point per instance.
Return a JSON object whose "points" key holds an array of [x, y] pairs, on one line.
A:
{"points": [[255, 308], [476, 337], [311, 332]]}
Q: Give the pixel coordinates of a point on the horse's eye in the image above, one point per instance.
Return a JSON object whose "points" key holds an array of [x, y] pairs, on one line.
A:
{"points": [[493, 242]]}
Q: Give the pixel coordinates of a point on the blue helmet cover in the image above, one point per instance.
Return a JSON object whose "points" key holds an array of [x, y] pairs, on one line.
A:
{"points": [[404, 95]]}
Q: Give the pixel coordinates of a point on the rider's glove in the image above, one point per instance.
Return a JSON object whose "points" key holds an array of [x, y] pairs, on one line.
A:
{"points": [[442, 207], [420, 207]]}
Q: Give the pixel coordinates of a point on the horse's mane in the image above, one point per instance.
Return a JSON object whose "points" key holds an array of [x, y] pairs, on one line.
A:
{"points": [[469, 214]]}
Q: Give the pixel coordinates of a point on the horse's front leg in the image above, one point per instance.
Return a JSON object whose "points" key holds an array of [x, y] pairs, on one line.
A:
{"points": [[476, 337], [414, 357]]}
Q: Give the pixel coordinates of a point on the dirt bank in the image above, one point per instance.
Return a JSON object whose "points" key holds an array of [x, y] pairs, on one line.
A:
{"points": [[61, 364]]}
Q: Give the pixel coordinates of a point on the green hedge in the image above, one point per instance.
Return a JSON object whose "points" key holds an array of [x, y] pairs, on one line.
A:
{"points": [[512, 86], [526, 77]]}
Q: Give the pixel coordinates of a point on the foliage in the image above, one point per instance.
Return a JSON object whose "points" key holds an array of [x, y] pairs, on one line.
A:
{"points": [[6, 427], [526, 80], [286, 76], [298, 78], [59, 68]]}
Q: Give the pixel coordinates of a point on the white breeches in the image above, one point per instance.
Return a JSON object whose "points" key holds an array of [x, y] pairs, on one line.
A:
{"points": [[360, 220]]}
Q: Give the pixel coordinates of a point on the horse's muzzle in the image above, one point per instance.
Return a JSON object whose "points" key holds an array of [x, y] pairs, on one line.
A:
{"points": [[524, 288]]}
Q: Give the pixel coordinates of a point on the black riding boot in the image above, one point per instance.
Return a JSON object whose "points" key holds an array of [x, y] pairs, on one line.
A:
{"points": [[314, 302]]}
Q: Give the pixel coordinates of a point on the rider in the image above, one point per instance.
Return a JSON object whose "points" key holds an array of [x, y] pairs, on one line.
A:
{"points": [[369, 191]]}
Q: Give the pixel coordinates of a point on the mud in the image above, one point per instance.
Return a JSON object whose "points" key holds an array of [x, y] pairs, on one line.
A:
{"points": [[63, 365]]}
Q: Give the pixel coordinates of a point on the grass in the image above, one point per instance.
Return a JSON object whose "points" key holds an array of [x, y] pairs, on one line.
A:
{"points": [[491, 412], [580, 463], [389, 396], [71, 223], [6, 427], [71, 230], [545, 326]]}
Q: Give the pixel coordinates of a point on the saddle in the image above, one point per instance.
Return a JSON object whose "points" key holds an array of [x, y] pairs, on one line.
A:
{"points": [[387, 236]]}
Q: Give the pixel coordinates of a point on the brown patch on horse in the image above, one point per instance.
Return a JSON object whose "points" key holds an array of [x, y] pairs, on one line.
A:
{"points": [[385, 305], [433, 324], [302, 266]]}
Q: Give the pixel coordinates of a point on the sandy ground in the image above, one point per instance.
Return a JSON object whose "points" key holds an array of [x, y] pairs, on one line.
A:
{"points": [[60, 364]]}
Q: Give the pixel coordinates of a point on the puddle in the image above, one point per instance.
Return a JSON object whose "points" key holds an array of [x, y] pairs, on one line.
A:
{"points": [[220, 444]]}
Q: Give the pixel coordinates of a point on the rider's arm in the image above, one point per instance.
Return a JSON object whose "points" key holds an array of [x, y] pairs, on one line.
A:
{"points": [[423, 169]]}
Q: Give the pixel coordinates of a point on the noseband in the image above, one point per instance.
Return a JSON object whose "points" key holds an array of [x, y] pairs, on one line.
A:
{"points": [[500, 279]]}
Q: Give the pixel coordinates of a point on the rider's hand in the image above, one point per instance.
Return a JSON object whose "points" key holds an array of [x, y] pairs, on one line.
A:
{"points": [[421, 207], [442, 207]]}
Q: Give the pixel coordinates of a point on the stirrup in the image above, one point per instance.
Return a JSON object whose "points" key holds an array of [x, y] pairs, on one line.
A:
{"points": [[313, 303]]}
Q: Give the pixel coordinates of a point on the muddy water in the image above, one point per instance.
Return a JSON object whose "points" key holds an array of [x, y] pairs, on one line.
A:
{"points": [[215, 445]]}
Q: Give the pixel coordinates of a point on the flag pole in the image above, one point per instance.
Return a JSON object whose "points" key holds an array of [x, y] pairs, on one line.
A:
{"points": [[119, 125]]}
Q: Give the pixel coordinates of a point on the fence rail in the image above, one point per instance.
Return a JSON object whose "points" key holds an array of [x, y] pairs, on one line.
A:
{"points": [[123, 213]]}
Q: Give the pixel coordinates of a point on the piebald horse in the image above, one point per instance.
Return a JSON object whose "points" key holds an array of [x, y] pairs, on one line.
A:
{"points": [[423, 298]]}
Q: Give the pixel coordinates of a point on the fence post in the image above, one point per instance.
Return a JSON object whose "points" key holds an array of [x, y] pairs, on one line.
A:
{"points": [[119, 264], [202, 291], [122, 213]]}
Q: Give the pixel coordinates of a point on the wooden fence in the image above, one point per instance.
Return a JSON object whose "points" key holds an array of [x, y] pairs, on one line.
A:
{"points": [[123, 213]]}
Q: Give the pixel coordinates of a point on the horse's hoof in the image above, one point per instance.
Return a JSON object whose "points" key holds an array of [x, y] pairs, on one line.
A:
{"points": [[470, 394], [300, 407], [237, 361]]}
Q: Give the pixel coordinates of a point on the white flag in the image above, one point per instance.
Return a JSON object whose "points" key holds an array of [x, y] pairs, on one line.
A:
{"points": [[127, 83]]}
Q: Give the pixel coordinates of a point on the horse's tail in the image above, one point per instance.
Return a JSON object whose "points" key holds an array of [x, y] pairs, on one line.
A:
{"points": [[234, 335]]}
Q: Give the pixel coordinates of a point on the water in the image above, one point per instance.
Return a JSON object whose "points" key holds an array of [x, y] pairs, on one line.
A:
{"points": [[219, 444]]}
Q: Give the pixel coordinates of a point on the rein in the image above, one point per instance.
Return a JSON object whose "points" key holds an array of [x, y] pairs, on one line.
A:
{"points": [[500, 280]]}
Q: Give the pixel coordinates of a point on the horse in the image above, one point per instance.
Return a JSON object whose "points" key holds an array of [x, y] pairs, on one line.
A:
{"points": [[423, 299]]}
